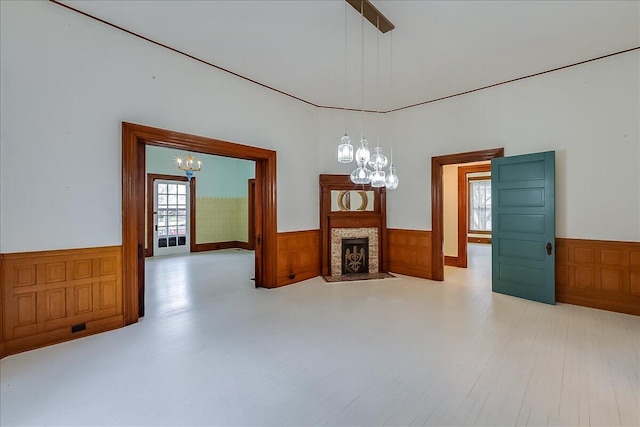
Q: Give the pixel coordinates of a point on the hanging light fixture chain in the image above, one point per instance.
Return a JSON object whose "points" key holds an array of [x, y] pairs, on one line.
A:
{"points": [[362, 68], [391, 97], [345, 149], [345, 68], [378, 76]]}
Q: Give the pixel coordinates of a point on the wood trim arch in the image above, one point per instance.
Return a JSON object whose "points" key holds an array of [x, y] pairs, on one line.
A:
{"points": [[437, 216], [134, 139]]}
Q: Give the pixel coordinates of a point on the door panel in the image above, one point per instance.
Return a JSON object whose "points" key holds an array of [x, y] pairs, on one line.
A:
{"points": [[517, 197], [523, 223], [522, 249]]}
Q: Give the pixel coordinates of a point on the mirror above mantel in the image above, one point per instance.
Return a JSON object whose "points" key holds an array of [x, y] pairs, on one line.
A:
{"points": [[352, 200]]}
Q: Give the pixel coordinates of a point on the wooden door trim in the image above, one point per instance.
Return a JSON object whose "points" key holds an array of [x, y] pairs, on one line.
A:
{"points": [[151, 177], [251, 199], [134, 139], [437, 215], [463, 210]]}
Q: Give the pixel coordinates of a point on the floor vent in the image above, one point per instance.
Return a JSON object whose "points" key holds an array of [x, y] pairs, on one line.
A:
{"points": [[79, 327]]}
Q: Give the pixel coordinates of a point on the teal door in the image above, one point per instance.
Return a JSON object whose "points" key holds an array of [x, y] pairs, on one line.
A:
{"points": [[523, 226]]}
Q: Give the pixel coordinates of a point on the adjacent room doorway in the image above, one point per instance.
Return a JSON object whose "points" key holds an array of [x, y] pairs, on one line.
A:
{"points": [[135, 138], [437, 197], [467, 219]]}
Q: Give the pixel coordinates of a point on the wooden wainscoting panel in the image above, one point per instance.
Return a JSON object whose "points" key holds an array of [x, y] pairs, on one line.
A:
{"points": [[24, 275], [54, 272], [599, 274], [25, 310], [634, 265], [410, 252], [82, 269], [582, 254], [55, 301], [81, 301], [44, 294], [583, 277], [298, 256], [635, 283]]}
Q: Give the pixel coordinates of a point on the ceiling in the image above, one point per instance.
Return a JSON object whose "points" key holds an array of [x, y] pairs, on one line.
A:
{"points": [[440, 48]]}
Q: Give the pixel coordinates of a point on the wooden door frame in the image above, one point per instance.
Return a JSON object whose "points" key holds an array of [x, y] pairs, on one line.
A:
{"points": [[463, 210], [437, 210], [151, 177], [135, 137], [251, 205]]}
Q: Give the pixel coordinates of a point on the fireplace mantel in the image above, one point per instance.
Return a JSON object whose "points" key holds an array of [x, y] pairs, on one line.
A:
{"points": [[376, 218]]}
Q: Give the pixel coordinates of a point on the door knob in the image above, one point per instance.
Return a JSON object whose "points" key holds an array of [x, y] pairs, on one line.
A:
{"points": [[549, 248]]}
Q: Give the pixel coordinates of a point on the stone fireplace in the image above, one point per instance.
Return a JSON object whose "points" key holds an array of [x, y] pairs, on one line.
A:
{"points": [[343, 239], [349, 211]]}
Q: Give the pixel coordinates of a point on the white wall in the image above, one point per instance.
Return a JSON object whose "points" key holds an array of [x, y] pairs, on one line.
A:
{"points": [[588, 114], [67, 84]]}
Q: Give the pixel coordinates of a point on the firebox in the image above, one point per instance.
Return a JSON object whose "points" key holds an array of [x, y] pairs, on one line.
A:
{"points": [[355, 256]]}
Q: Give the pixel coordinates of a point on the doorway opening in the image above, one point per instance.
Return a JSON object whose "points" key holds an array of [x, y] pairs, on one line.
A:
{"points": [[161, 223], [135, 138], [467, 210], [437, 201]]}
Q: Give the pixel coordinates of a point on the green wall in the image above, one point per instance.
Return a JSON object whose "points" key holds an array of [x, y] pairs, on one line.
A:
{"points": [[221, 192]]}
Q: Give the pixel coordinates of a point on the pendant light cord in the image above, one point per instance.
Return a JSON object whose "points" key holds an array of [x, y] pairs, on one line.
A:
{"points": [[391, 98], [378, 76], [345, 68]]}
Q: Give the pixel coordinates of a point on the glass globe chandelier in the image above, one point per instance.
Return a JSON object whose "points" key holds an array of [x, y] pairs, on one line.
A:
{"points": [[370, 168]]}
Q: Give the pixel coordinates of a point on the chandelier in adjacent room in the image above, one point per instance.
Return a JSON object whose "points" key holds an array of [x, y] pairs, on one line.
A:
{"points": [[189, 165]]}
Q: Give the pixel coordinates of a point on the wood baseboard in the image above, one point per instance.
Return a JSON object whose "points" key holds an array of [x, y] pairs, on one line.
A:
{"points": [[54, 296], [450, 261], [203, 247]]}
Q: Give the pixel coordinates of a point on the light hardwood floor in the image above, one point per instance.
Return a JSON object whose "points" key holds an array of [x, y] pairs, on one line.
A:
{"points": [[213, 350]]}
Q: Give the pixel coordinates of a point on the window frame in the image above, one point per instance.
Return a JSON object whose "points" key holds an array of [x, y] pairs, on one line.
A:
{"points": [[470, 181]]}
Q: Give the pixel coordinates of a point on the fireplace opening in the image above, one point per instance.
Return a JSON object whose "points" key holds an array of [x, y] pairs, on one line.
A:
{"points": [[355, 256]]}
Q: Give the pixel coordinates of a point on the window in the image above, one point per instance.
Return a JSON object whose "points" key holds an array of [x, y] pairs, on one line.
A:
{"points": [[480, 205]]}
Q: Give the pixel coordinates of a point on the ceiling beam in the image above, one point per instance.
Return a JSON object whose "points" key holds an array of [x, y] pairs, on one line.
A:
{"points": [[372, 14]]}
